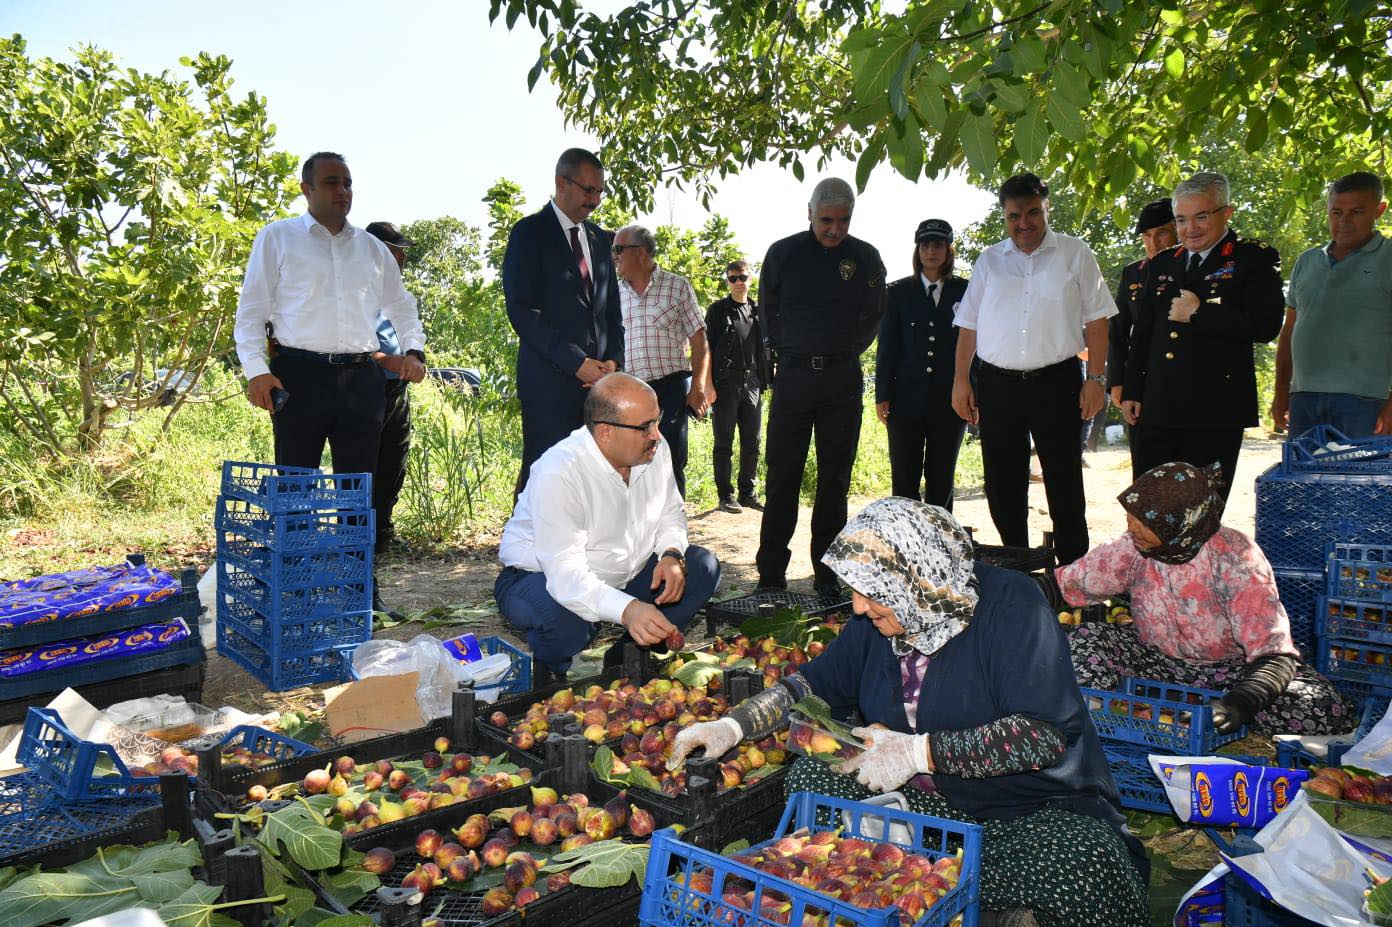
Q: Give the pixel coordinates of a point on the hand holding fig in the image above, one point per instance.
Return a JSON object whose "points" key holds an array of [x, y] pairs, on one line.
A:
{"points": [[891, 759], [718, 737]]}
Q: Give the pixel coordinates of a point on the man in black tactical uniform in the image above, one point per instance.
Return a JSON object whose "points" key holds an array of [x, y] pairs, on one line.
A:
{"points": [[823, 296]]}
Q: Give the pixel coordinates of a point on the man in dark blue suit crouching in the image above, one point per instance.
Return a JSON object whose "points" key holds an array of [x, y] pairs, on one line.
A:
{"points": [[563, 302]]}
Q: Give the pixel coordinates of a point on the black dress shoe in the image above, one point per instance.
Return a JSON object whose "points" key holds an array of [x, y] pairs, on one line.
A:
{"points": [[771, 585], [379, 606], [830, 591], [750, 502], [728, 504]]}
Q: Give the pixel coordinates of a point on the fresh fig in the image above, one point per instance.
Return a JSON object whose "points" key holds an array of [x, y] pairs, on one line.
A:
{"points": [[379, 860]]}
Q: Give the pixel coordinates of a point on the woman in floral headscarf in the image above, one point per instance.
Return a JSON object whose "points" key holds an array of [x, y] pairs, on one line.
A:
{"points": [[964, 674], [1205, 609]]}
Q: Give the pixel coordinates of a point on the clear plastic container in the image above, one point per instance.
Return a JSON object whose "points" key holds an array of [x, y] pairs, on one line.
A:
{"points": [[180, 724]]}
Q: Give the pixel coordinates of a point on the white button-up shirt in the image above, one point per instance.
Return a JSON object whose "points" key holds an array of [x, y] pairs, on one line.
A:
{"points": [[322, 292], [1028, 310], [591, 533]]}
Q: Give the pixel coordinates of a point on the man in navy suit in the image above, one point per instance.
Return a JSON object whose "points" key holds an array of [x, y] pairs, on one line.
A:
{"points": [[563, 301]]}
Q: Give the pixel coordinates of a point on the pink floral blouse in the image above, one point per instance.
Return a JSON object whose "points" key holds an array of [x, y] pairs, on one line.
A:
{"points": [[1222, 605]]}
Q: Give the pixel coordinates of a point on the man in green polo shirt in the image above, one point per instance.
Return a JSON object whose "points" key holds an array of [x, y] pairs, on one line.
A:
{"points": [[1334, 360]]}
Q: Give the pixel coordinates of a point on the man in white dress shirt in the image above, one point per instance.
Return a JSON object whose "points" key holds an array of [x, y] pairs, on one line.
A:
{"points": [[599, 535], [315, 284], [1034, 301]]}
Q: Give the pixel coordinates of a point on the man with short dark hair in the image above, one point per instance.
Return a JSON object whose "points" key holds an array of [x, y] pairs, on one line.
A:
{"points": [[1034, 301], [599, 535], [1156, 227], [563, 302], [740, 372], [1191, 382], [824, 296], [320, 283], [1334, 360], [660, 318]]}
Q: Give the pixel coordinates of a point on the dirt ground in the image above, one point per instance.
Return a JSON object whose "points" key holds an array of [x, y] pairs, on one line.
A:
{"points": [[465, 576]]}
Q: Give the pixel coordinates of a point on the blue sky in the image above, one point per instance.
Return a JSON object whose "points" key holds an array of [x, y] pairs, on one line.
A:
{"points": [[430, 105]]}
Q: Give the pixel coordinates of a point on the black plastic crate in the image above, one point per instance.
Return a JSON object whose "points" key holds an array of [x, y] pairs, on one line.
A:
{"points": [[182, 604], [31, 688], [741, 608], [185, 680], [1022, 559]]}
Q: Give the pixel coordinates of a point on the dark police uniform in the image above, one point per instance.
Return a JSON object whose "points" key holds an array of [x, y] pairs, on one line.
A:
{"points": [[914, 364], [1196, 380], [1130, 298], [822, 307], [740, 372]]}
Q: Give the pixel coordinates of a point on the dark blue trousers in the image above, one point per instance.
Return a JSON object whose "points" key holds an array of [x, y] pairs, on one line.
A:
{"points": [[555, 634]]}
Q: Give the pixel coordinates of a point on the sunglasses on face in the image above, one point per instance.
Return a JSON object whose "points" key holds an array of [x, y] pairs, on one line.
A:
{"points": [[620, 249], [737, 278]]}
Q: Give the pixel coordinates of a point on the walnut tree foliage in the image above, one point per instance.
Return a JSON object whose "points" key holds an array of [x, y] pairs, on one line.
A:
{"points": [[128, 204], [1099, 93]]}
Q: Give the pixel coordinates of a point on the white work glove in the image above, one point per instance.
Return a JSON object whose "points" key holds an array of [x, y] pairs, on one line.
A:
{"points": [[891, 760], [718, 737]]}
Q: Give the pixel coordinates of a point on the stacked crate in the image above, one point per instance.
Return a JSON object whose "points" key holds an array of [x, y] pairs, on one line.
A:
{"points": [[1148, 717], [1354, 619], [294, 561], [1326, 488]]}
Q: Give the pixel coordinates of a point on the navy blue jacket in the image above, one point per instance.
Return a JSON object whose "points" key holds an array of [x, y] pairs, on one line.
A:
{"points": [[916, 355], [556, 321], [1012, 659]]}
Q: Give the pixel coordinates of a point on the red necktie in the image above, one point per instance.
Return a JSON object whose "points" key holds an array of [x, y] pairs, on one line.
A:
{"points": [[580, 260]]}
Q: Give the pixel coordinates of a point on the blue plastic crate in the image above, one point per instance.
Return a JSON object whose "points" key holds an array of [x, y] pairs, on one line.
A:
{"points": [[302, 603], [1164, 717], [302, 531], [1360, 571], [299, 570], [1298, 590], [285, 671], [73, 768], [32, 817], [260, 740], [1355, 620], [1311, 453], [669, 901], [1300, 514], [1136, 782], [1291, 755], [1357, 661], [285, 636], [279, 489], [186, 652]]}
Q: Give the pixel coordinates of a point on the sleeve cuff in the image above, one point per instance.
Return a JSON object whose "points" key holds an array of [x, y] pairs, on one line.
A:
{"points": [[254, 368], [612, 603]]}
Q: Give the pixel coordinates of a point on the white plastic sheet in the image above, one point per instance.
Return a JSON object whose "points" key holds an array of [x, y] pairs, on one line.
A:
{"points": [[1374, 751]]}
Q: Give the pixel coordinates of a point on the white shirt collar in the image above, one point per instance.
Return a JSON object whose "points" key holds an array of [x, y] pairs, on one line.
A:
{"points": [[566, 222], [600, 460], [1048, 242], [309, 222]]}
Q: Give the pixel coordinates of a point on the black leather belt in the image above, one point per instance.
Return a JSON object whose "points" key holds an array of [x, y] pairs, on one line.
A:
{"points": [[668, 378], [338, 360], [815, 361], [1065, 364]]}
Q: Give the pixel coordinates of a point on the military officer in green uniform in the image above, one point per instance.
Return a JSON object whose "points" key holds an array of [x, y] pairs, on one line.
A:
{"points": [[1190, 383]]}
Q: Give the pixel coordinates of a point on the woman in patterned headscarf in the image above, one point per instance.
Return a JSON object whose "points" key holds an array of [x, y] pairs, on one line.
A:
{"points": [[1205, 609], [962, 675]]}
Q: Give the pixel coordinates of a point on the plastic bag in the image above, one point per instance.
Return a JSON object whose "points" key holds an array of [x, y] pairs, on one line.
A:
{"points": [[422, 654]]}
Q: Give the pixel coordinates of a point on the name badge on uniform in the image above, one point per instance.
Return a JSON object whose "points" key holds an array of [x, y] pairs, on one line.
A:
{"points": [[847, 269]]}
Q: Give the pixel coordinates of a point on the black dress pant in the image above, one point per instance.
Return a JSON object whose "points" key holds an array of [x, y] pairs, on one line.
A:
{"points": [[738, 404], [550, 411], [923, 446], [671, 399], [341, 404], [1043, 406], [1152, 445], [827, 402], [391, 456]]}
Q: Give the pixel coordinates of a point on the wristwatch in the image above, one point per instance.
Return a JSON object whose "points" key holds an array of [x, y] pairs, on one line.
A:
{"points": [[1099, 378], [417, 354], [675, 554]]}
